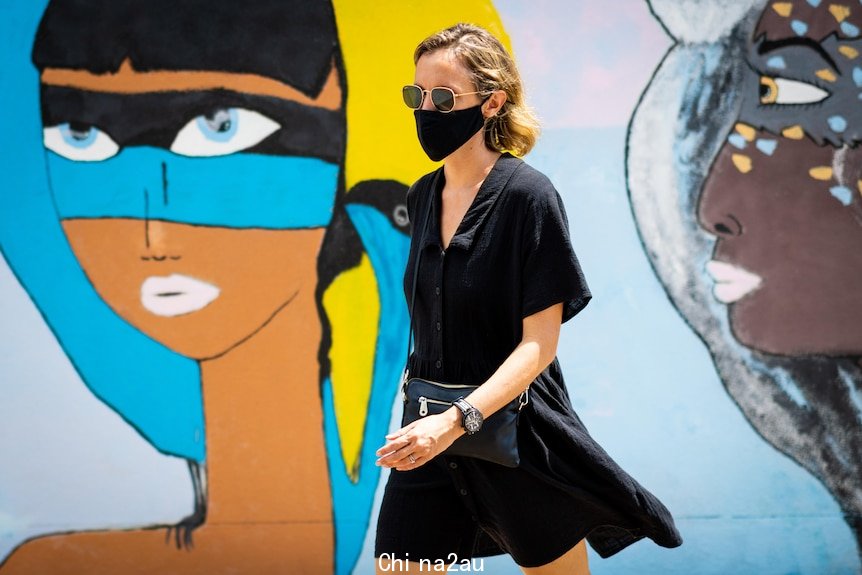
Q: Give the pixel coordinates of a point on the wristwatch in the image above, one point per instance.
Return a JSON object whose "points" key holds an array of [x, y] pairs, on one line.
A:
{"points": [[471, 418]]}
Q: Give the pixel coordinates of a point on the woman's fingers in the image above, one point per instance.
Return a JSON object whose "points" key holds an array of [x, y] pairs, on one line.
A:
{"points": [[421, 439], [402, 454], [391, 453], [393, 445], [409, 463], [403, 430], [396, 459]]}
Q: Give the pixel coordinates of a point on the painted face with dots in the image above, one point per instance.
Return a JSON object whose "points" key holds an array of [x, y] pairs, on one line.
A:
{"points": [[784, 195]]}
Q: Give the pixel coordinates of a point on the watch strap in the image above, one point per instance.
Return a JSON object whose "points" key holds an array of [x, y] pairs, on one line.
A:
{"points": [[463, 405]]}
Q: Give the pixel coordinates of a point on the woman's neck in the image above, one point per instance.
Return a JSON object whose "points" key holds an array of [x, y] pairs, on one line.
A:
{"points": [[467, 167]]}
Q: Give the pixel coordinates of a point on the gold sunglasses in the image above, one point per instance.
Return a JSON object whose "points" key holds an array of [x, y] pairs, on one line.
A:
{"points": [[443, 98]]}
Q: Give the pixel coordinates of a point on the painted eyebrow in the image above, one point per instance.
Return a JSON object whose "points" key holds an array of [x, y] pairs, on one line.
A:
{"points": [[771, 45]]}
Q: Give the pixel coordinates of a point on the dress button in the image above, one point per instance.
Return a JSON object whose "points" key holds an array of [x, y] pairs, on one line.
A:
{"points": [[438, 363], [453, 465], [463, 492], [438, 326], [437, 290]]}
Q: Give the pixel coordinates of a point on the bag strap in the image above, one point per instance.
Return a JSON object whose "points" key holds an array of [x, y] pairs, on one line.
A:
{"points": [[424, 228]]}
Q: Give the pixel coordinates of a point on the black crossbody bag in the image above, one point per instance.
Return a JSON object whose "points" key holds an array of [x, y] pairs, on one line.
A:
{"points": [[497, 439]]}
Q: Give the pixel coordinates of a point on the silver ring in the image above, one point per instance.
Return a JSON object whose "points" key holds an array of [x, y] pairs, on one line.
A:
{"points": [[411, 458]]}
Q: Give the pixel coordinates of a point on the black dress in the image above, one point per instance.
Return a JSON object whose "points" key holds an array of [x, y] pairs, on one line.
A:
{"points": [[510, 257]]}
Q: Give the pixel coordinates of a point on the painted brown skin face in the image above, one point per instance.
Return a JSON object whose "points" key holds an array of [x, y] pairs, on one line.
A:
{"points": [[256, 272], [784, 195]]}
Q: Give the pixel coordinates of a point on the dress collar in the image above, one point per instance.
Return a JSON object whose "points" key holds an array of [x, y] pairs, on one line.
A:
{"points": [[485, 199]]}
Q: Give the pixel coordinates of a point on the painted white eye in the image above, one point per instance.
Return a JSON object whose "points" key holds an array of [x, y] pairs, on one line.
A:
{"points": [[82, 144], [222, 132], [784, 91]]}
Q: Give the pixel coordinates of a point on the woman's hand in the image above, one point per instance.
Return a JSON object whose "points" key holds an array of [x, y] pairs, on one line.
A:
{"points": [[422, 439]]}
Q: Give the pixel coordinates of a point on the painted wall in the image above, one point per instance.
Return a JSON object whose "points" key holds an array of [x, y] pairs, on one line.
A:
{"points": [[127, 417]]}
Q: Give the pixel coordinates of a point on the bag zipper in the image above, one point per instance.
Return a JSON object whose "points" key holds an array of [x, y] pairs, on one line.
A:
{"points": [[423, 404], [454, 385], [523, 398]]}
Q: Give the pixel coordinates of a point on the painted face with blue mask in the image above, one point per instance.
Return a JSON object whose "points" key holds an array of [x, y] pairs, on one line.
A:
{"points": [[185, 194]]}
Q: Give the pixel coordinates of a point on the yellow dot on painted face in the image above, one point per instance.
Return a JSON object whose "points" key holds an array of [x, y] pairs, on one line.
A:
{"points": [[820, 172], [783, 8], [793, 132], [745, 131], [839, 11], [848, 51], [742, 162], [826, 74], [859, 185]]}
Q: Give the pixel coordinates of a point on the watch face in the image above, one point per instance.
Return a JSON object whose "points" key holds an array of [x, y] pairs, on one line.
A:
{"points": [[472, 421]]}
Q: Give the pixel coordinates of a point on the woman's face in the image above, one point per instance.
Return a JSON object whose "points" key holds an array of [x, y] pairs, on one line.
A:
{"points": [[197, 214], [442, 68], [783, 195]]}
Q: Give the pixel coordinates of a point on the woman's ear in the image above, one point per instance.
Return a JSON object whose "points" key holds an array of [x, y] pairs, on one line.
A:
{"points": [[494, 103]]}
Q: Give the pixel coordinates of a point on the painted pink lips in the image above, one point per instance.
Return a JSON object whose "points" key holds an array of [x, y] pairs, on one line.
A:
{"points": [[731, 282]]}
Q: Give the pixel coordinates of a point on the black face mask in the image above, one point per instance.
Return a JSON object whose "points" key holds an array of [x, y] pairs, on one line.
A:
{"points": [[442, 133]]}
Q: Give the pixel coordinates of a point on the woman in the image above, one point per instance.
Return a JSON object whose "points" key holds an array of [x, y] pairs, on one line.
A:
{"points": [[492, 315]]}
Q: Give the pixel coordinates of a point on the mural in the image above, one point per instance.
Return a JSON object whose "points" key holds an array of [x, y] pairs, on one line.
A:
{"points": [[185, 212], [202, 239], [745, 178]]}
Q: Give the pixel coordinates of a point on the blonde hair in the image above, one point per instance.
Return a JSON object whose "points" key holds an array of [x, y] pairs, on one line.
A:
{"points": [[514, 128]]}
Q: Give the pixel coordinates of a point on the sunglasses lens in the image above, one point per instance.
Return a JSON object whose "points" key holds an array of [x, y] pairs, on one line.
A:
{"points": [[443, 99], [412, 96]]}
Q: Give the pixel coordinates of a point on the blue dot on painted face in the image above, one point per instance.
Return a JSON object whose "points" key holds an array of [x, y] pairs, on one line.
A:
{"points": [[849, 29], [776, 62], [737, 141], [814, 3], [799, 27], [766, 146], [837, 123], [857, 76], [842, 193]]}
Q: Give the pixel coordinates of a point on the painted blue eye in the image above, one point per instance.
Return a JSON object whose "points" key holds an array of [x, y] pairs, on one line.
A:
{"points": [[80, 138], [222, 132], [81, 143], [220, 126]]}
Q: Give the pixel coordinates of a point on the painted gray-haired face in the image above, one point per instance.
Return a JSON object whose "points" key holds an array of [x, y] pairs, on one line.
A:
{"points": [[745, 178]]}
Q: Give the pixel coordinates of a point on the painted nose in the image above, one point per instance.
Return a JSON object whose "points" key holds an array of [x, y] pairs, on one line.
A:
{"points": [[718, 209], [156, 240], [721, 224]]}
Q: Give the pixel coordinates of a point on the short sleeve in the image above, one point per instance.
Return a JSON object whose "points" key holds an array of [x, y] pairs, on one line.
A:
{"points": [[551, 272]]}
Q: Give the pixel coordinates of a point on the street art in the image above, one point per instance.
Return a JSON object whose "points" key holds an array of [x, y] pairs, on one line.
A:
{"points": [[745, 178], [204, 206]]}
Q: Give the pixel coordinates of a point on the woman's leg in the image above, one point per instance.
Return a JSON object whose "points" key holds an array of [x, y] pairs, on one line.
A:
{"points": [[572, 562]]}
